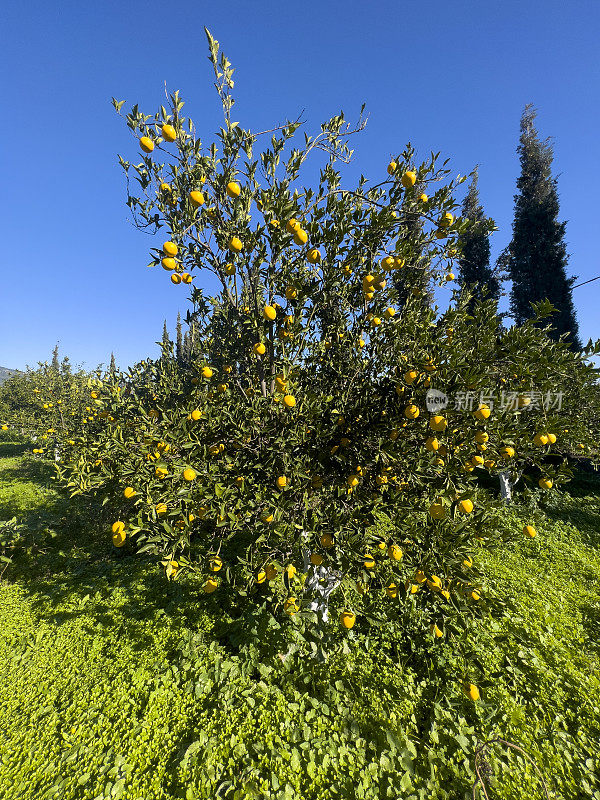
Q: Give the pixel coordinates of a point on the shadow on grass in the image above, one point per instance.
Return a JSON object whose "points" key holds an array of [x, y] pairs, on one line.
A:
{"points": [[32, 470], [13, 449]]}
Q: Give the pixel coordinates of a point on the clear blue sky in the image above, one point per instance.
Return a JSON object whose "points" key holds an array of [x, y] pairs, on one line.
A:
{"points": [[449, 77]]}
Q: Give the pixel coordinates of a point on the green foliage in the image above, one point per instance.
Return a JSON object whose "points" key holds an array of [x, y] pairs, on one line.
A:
{"points": [[114, 684]]}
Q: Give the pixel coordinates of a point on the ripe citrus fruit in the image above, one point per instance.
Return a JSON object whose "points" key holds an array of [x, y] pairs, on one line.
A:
{"points": [[348, 618], [235, 244], [289, 400], [466, 506], [437, 423], [394, 552], [409, 179], [215, 563], [281, 482], [169, 133], [233, 189], [300, 236], [170, 249], [197, 198], [146, 144], [128, 492], [411, 411], [530, 531], [269, 313], [188, 474], [313, 256], [259, 348], [483, 412], [471, 691], [207, 372]]}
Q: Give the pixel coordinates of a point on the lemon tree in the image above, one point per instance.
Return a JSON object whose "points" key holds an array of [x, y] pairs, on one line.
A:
{"points": [[305, 416]]}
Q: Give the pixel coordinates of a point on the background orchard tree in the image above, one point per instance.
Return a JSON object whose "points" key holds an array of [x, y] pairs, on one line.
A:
{"points": [[302, 420]]}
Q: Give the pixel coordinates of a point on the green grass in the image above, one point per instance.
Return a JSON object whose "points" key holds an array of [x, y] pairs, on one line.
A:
{"points": [[117, 684]]}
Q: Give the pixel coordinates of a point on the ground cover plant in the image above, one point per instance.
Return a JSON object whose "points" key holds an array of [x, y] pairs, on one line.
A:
{"points": [[116, 683]]}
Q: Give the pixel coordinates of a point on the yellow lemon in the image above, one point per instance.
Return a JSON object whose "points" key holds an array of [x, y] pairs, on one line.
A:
{"points": [[233, 189], [466, 506], [392, 591], [197, 198], [168, 263], [118, 538], [300, 236], [435, 630], [128, 492], [313, 256], [210, 585], [215, 563], [281, 482], [437, 423], [235, 244], [170, 249], [207, 372], [269, 313], [259, 348], [169, 133], [392, 167], [289, 400], [471, 691], [188, 474], [483, 412], [409, 179], [530, 531], [545, 483], [394, 552], [146, 144], [411, 411], [369, 561], [348, 618]]}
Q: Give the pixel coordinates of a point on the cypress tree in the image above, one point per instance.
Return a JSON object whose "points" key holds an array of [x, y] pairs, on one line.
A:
{"points": [[113, 365], [165, 337], [474, 259], [179, 345], [55, 361], [536, 258]]}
